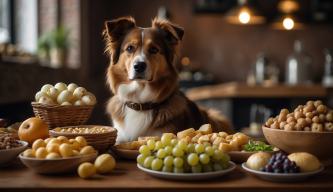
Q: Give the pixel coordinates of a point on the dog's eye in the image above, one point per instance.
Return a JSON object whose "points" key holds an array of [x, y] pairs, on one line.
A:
{"points": [[130, 48], [153, 50]]}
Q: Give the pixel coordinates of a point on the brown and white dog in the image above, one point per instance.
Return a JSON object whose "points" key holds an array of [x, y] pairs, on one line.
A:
{"points": [[143, 78]]}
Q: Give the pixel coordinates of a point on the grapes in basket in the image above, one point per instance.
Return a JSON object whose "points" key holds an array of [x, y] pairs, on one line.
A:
{"points": [[62, 94], [173, 155]]}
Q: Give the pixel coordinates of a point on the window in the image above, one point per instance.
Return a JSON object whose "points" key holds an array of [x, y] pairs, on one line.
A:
{"points": [[4, 21]]}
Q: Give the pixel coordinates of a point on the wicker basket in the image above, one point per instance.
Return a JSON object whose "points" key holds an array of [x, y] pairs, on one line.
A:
{"points": [[58, 115]]}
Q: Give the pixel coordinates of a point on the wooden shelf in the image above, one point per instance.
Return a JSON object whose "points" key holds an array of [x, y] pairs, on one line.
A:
{"points": [[241, 90]]}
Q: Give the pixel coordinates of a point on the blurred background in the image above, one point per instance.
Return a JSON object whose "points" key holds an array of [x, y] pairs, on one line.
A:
{"points": [[246, 58]]}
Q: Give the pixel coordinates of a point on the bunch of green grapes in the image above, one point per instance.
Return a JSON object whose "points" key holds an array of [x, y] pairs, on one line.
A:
{"points": [[173, 155]]}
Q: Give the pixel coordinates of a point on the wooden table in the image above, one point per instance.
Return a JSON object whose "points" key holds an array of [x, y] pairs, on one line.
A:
{"points": [[127, 177]]}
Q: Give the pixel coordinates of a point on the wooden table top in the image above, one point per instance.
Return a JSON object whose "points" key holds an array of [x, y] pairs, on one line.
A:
{"points": [[127, 177]]}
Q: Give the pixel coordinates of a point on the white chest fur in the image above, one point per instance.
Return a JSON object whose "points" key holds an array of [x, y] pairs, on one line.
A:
{"points": [[136, 123]]}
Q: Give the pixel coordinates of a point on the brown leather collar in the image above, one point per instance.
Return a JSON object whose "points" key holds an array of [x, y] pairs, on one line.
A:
{"points": [[146, 106], [141, 106]]}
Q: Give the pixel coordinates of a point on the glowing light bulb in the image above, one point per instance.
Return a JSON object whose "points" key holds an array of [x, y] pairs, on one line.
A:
{"points": [[288, 23], [244, 17]]}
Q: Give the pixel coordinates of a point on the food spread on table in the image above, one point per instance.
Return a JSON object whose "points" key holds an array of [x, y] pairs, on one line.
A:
{"points": [[187, 155]]}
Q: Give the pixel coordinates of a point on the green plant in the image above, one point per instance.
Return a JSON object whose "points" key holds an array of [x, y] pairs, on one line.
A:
{"points": [[58, 38], [43, 43]]}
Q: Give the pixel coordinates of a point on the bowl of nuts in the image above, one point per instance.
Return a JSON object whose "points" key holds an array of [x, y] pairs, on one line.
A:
{"points": [[309, 128], [10, 148], [100, 137]]}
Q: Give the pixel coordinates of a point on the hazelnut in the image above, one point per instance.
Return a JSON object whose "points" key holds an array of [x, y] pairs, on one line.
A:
{"points": [[322, 117], [282, 117], [309, 115], [307, 129], [288, 127], [269, 122], [275, 125], [298, 127], [317, 103], [329, 117], [322, 109], [282, 124], [298, 114], [317, 127], [329, 126], [316, 119], [291, 119], [284, 111], [302, 122], [308, 121], [310, 103]]}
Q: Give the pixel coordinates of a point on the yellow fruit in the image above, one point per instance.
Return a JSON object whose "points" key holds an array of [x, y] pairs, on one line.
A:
{"points": [[41, 153], [76, 152], [54, 140], [258, 160], [47, 140], [52, 148], [32, 129], [82, 141], [38, 143], [306, 161], [62, 139], [65, 150], [53, 156], [86, 170], [29, 153], [87, 150], [75, 144], [105, 163]]}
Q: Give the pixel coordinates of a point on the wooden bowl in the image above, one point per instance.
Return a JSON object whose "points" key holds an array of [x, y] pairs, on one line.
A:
{"points": [[7, 155], [125, 153], [100, 141], [317, 143], [56, 166]]}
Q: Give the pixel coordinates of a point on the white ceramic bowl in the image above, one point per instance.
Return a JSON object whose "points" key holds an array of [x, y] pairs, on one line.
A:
{"points": [[7, 155]]}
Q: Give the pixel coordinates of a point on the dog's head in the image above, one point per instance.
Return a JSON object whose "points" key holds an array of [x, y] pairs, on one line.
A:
{"points": [[140, 54]]}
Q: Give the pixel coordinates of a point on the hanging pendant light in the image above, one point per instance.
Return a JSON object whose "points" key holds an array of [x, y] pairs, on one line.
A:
{"points": [[288, 20], [244, 14]]}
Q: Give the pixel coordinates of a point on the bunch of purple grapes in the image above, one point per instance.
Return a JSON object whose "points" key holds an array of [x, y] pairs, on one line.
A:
{"points": [[279, 163]]}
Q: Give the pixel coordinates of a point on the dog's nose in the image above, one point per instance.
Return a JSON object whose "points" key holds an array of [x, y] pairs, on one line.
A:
{"points": [[140, 67]]}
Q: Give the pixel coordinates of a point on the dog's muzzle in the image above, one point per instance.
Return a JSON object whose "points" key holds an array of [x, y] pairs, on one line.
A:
{"points": [[139, 70]]}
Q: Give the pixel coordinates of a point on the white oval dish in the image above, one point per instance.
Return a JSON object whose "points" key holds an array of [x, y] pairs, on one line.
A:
{"points": [[188, 176], [282, 177]]}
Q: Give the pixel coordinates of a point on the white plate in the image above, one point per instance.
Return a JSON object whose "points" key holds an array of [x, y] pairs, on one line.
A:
{"points": [[188, 176], [282, 177]]}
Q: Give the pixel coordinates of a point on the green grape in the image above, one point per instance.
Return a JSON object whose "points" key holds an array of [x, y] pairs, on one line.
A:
{"points": [[206, 144], [144, 150], [178, 162], [224, 165], [174, 142], [151, 144], [225, 158], [141, 159], [148, 161], [177, 152], [158, 145], [204, 158], [209, 150], [178, 170], [197, 169], [190, 148], [215, 147], [199, 148], [217, 167], [218, 154], [167, 169], [168, 161], [182, 145], [168, 150], [166, 139], [192, 159], [207, 168], [156, 164], [161, 153]]}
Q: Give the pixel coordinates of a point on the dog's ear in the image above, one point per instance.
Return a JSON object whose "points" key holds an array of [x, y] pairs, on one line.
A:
{"points": [[173, 32], [114, 33]]}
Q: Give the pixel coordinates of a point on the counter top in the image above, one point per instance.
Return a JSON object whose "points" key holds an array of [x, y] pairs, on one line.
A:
{"points": [[127, 177], [241, 90]]}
